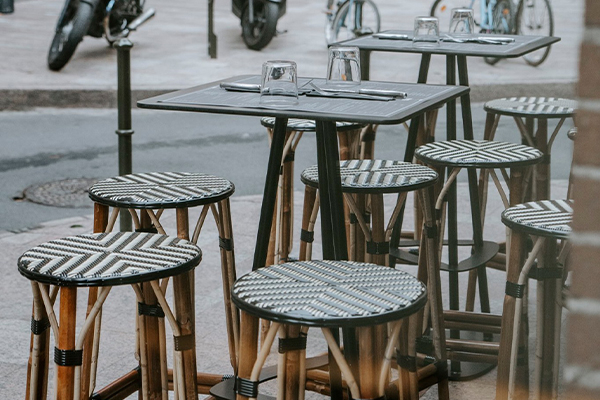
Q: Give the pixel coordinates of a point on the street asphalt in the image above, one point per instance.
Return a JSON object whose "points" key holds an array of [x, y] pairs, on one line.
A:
{"points": [[56, 126]]}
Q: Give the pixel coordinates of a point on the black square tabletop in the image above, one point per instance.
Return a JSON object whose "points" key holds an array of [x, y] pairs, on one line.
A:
{"points": [[211, 98], [521, 45]]}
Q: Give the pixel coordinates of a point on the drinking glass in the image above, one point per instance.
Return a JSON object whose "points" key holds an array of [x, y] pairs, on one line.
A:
{"points": [[462, 22], [343, 66], [279, 84], [427, 32]]}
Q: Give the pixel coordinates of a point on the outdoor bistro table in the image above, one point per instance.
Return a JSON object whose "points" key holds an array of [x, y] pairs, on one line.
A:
{"points": [[210, 98], [456, 55]]}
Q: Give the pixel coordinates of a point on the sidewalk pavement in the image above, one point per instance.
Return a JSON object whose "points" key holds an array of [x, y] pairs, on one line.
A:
{"points": [[117, 345], [170, 52]]}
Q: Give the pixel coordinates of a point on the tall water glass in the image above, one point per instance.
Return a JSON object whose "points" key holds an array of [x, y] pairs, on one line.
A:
{"points": [[279, 84], [426, 32], [343, 66], [462, 22]]}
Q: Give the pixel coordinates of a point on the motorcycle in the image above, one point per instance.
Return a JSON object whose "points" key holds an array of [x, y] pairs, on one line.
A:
{"points": [[259, 20], [113, 19]]}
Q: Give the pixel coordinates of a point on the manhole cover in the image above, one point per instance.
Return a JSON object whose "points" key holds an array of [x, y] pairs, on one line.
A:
{"points": [[64, 193]]}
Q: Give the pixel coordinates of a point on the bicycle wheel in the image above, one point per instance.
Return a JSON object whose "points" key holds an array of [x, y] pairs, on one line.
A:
{"points": [[355, 18], [534, 17], [504, 22], [443, 10]]}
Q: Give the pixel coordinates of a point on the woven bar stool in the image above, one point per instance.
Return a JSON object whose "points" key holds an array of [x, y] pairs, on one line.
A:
{"points": [[365, 182], [456, 155], [329, 295], [526, 111], [354, 142], [104, 260], [547, 222], [152, 193]]}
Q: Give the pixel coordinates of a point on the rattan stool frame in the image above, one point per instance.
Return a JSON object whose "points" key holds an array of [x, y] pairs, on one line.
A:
{"points": [[546, 222], [38, 265]]}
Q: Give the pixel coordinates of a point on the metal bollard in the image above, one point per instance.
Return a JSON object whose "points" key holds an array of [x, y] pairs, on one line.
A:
{"points": [[124, 130], [7, 6], [212, 38]]}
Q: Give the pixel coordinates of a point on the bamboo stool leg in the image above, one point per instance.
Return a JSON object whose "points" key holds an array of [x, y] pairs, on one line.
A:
{"points": [[515, 260], [248, 347], [431, 264], [228, 274], [309, 217], [37, 367]]}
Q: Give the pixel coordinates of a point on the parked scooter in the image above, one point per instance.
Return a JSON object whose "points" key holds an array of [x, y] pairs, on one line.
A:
{"points": [[259, 20], [113, 19]]}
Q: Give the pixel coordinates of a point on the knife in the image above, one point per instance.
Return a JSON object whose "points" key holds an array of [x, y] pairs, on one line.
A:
{"points": [[372, 92], [392, 36], [240, 87]]}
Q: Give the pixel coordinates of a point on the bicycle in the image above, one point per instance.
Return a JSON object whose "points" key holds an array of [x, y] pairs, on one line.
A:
{"points": [[527, 17], [350, 19]]}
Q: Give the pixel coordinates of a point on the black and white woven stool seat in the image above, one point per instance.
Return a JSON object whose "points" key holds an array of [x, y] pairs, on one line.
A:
{"points": [[108, 259], [329, 293], [376, 176], [309, 125], [477, 154], [161, 190], [543, 107], [550, 218]]}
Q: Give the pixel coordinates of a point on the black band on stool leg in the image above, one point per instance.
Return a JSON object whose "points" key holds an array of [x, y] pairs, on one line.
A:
{"points": [[431, 231], [368, 136], [289, 157], [546, 273], [441, 370], [184, 342], [151, 229], [515, 290], [68, 358], [39, 326], [292, 344], [366, 217], [226, 244], [246, 387], [150, 310], [406, 362], [307, 236], [378, 247]]}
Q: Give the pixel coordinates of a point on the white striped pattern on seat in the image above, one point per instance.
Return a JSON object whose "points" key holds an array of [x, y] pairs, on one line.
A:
{"points": [[533, 105], [545, 218], [160, 188], [108, 259], [327, 290], [477, 153], [376, 174]]}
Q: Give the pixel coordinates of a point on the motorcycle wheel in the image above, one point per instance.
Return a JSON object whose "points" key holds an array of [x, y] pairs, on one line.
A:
{"points": [[258, 34], [68, 36]]}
